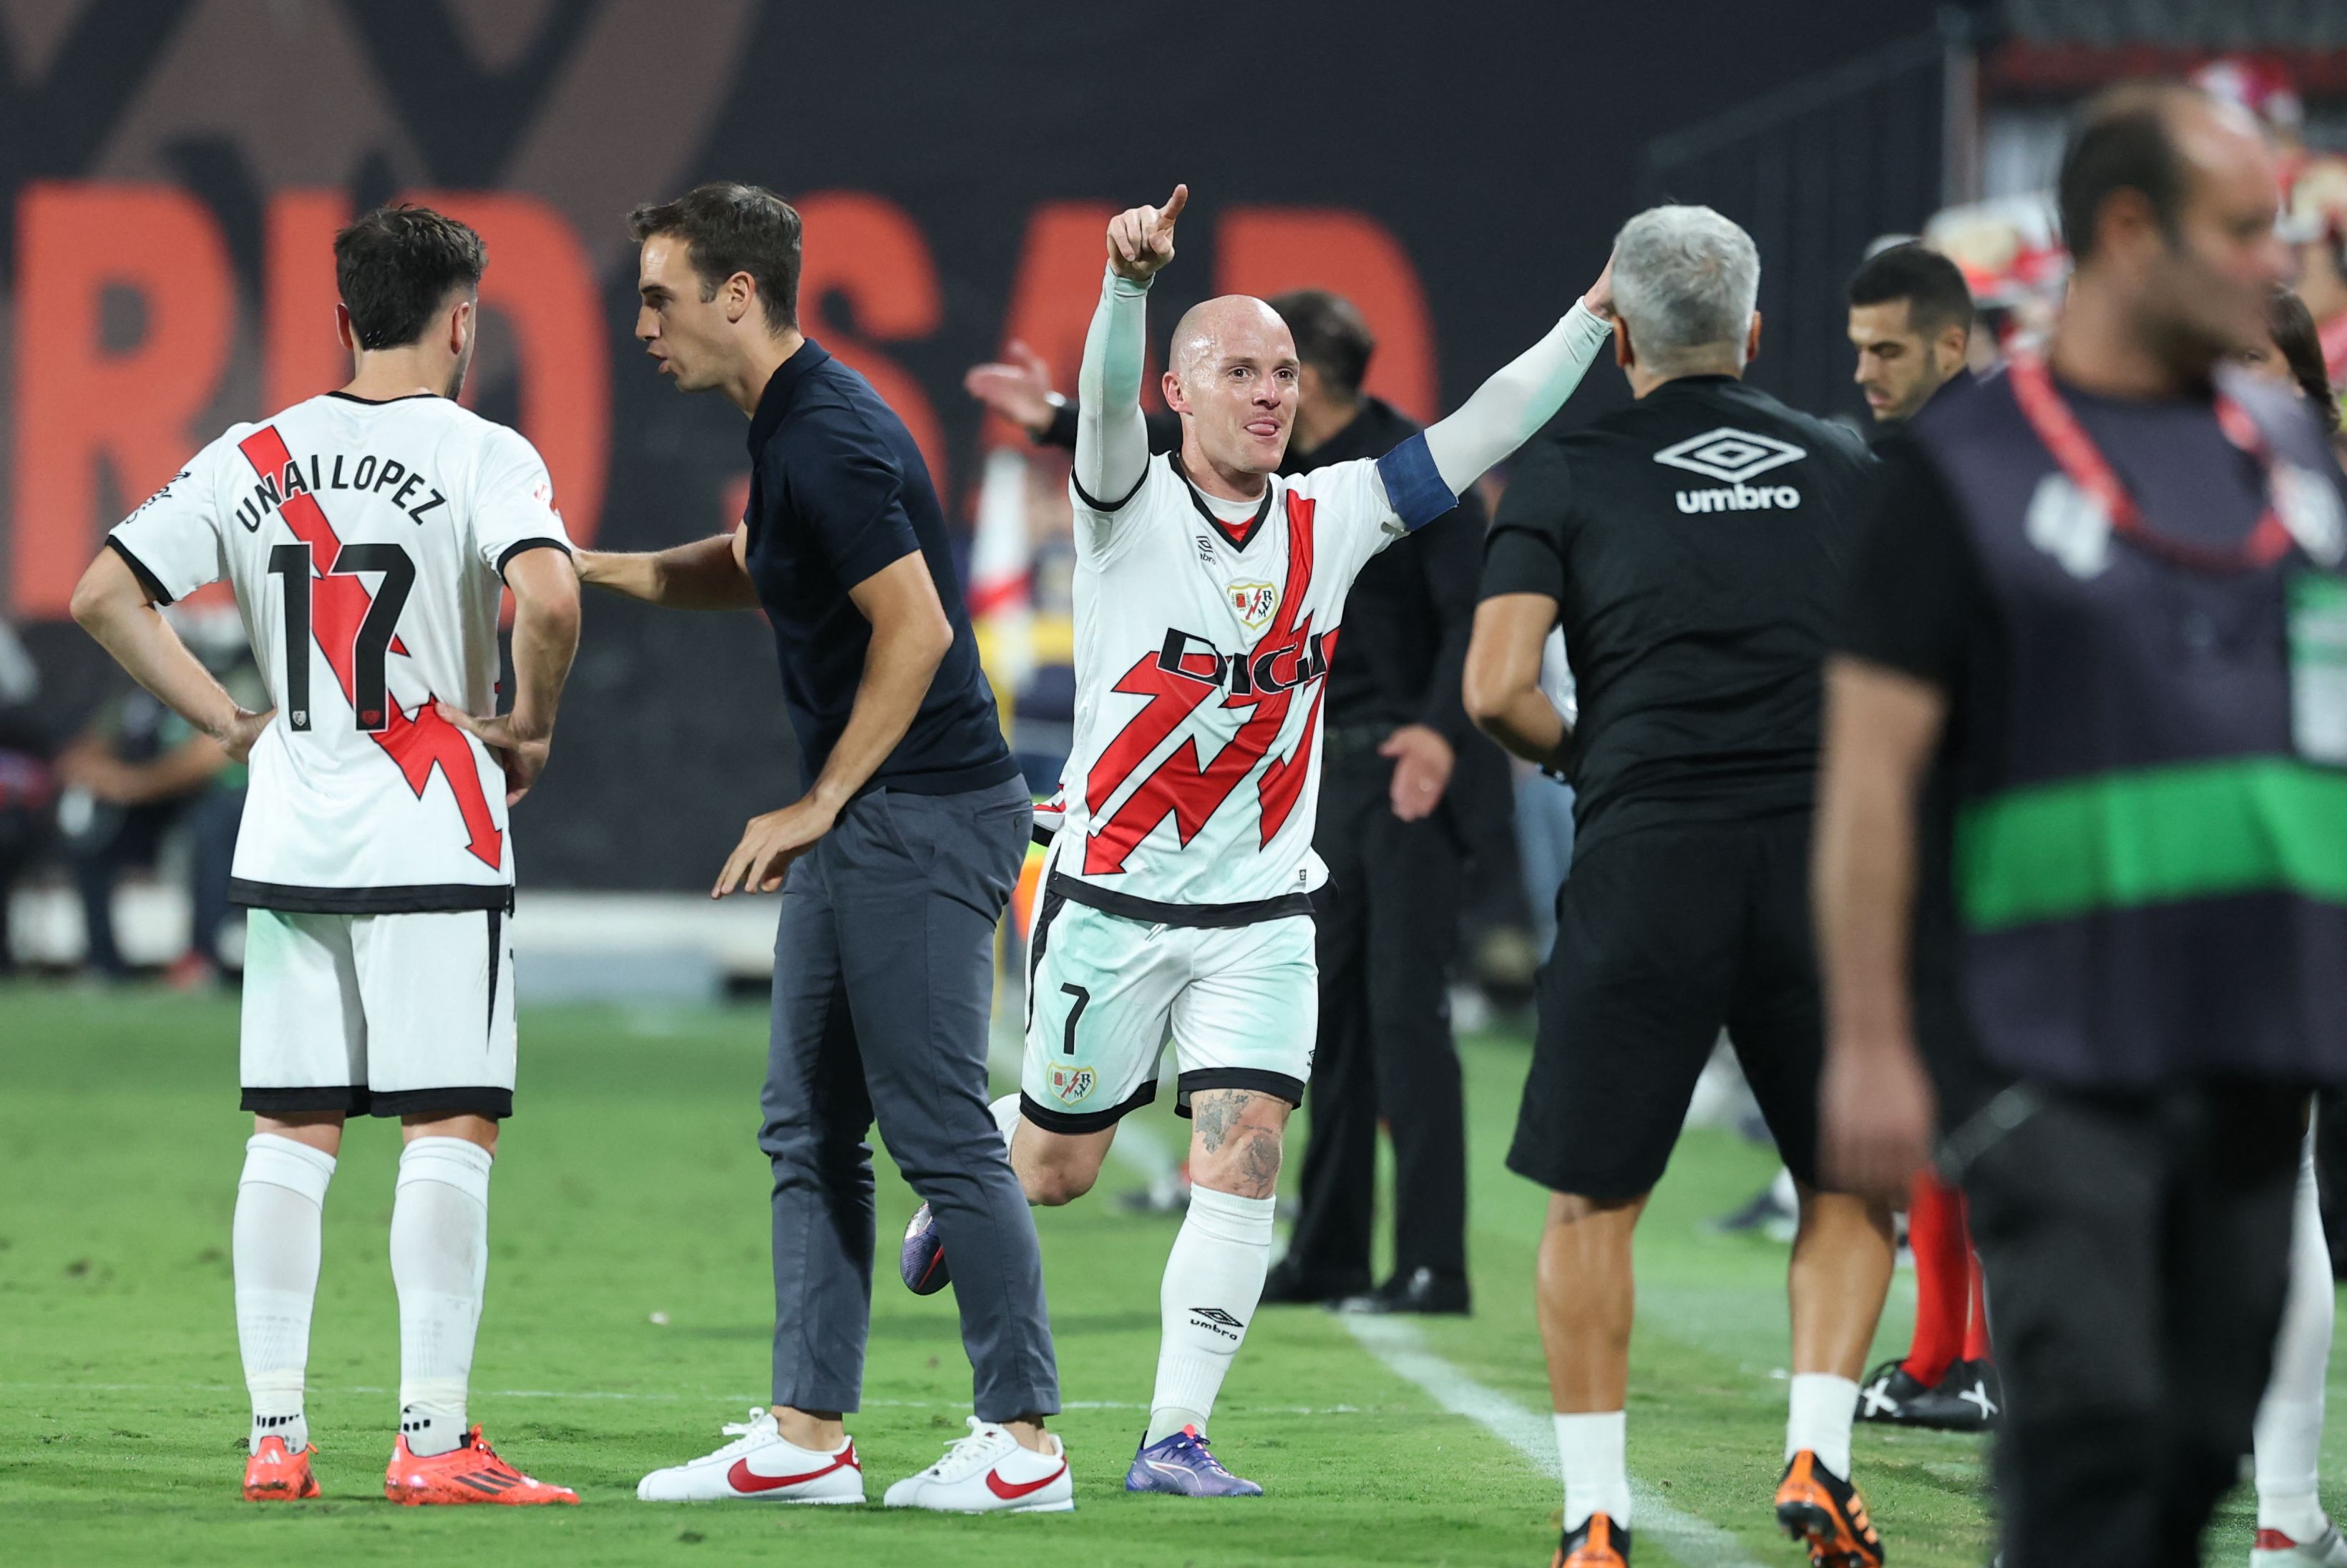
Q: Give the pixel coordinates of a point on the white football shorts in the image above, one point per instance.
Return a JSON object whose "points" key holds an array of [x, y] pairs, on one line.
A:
{"points": [[1107, 993], [378, 1015]]}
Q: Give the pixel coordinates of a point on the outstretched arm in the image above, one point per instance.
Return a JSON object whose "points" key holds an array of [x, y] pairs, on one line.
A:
{"points": [[706, 574], [1509, 408], [1111, 437]]}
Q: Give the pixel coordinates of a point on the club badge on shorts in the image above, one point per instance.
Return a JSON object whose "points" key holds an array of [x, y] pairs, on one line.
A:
{"points": [[1074, 1085], [1255, 602]]}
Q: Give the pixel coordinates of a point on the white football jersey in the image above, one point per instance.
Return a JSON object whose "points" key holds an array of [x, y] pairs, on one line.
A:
{"points": [[365, 542], [1202, 651]]}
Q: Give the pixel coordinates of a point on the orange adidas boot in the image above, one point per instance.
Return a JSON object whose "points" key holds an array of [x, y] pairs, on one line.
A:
{"points": [[1825, 1512], [1598, 1544], [469, 1473], [275, 1475]]}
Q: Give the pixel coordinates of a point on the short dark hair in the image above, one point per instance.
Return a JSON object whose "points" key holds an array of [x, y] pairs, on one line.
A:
{"points": [[396, 267], [2125, 141], [729, 228], [1934, 286], [2294, 333], [1329, 335]]}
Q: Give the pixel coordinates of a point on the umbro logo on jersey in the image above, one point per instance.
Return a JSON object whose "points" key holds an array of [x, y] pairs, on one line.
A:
{"points": [[1734, 456]]}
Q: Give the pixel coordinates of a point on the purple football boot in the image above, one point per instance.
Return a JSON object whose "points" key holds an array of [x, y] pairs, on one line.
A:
{"points": [[922, 1263], [1182, 1464]]}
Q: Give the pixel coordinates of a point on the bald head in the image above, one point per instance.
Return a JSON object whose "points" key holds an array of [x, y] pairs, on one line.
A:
{"points": [[1233, 379], [1232, 325]]}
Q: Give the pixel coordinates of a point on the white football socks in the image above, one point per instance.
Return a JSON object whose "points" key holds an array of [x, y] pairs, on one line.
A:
{"points": [[1823, 1407], [1005, 1112], [2289, 1419], [1590, 1450], [439, 1261], [280, 1202], [1214, 1280]]}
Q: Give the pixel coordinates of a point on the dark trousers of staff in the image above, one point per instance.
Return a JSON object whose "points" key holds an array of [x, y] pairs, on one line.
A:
{"points": [[2135, 1248], [1389, 928]]}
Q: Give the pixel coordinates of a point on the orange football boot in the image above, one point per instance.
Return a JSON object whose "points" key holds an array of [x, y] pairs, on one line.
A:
{"points": [[1825, 1512], [1598, 1544], [469, 1473], [275, 1475]]}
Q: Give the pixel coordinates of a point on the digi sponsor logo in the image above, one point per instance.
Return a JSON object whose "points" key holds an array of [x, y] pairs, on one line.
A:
{"points": [[1732, 456]]}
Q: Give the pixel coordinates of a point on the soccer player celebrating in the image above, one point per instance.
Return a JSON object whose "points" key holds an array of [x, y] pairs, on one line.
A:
{"points": [[366, 533], [1208, 596]]}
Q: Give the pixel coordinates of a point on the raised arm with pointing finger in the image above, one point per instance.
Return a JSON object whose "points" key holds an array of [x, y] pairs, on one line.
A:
{"points": [[1112, 439]]}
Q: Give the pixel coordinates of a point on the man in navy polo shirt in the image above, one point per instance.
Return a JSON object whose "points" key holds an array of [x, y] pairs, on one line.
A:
{"points": [[894, 866]]}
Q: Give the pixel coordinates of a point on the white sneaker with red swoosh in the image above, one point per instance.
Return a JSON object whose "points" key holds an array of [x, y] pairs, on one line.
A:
{"points": [[759, 1463], [988, 1472]]}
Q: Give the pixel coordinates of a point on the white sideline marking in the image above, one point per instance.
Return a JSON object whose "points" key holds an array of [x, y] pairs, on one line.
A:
{"points": [[1697, 1542]]}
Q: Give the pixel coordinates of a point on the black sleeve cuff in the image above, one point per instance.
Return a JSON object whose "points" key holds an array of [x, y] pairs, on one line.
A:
{"points": [[1061, 430], [519, 545], [148, 581], [1117, 505], [1518, 561]]}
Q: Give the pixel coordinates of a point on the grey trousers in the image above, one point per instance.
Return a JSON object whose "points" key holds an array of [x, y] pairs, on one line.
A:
{"points": [[884, 980]]}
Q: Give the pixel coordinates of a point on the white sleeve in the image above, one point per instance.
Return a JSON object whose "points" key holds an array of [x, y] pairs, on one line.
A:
{"points": [[1111, 438], [513, 502], [173, 541], [1516, 401]]}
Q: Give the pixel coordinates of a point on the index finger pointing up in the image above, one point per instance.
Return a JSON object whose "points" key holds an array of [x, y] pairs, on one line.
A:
{"points": [[1173, 207]]}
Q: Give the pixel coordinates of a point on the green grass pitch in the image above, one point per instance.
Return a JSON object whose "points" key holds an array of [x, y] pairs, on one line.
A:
{"points": [[630, 1185]]}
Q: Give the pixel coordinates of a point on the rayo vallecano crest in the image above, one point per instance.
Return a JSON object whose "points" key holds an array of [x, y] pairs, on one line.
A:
{"points": [[1074, 1085], [1255, 602]]}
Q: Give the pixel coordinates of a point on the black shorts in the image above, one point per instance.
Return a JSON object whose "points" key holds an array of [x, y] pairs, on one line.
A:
{"points": [[1666, 935]]}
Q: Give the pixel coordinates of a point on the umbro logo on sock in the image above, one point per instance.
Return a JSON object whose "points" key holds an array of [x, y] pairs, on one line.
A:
{"points": [[1216, 1320]]}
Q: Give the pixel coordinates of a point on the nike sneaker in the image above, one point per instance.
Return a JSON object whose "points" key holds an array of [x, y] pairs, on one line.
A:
{"points": [[989, 1473], [1968, 1399], [1598, 1544], [1183, 1465], [469, 1473], [1889, 1393], [275, 1475], [760, 1462], [1824, 1512], [2275, 1550], [922, 1263]]}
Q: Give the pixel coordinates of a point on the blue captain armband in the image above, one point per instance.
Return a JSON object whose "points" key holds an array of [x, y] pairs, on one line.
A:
{"points": [[1414, 484]]}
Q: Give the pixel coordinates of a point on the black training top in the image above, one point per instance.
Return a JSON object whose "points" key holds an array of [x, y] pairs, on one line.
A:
{"points": [[837, 492], [2131, 851], [1696, 544]]}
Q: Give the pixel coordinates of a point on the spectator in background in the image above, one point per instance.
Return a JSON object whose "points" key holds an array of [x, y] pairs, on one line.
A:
{"points": [[1393, 837], [137, 771], [2295, 354], [26, 788]]}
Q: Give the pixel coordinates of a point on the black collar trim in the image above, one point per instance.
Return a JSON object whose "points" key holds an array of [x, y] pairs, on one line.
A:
{"points": [[379, 402], [1241, 539]]}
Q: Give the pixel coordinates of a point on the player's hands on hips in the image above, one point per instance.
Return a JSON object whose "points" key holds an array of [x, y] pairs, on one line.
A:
{"points": [[521, 746], [1599, 301], [243, 732], [1875, 1113], [1422, 764], [1018, 387], [1141, 239], [769, 844]]}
